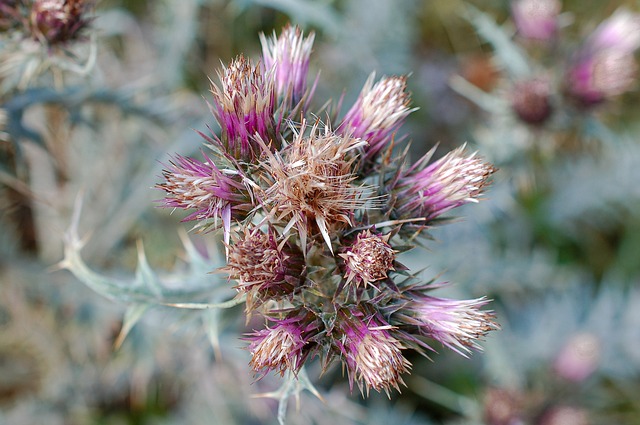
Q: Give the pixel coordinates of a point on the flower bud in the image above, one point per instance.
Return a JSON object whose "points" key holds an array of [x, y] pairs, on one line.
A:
{"points": [[368, 258]]}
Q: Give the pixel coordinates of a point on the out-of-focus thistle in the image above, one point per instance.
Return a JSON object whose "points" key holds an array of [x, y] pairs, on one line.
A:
{"points": [[536, 19], [57, 21], [531, 100], [37, 36], [605, 66], [314, 217]]}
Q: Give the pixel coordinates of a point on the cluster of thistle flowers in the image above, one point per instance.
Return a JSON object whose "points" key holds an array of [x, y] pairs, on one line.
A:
{"points": [[314, 216], [50, 22], [602, 67]]}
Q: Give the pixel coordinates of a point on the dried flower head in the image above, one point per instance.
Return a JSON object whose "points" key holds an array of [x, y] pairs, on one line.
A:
{"points": [[202, 186], [536, 19], [457, 324], [287, 56], [377, 113], [311, 183], [372, 355], [368, 258], [244, 106], [280, 348], [263, 266], [531, 100], [452, 181], [57, 21]]}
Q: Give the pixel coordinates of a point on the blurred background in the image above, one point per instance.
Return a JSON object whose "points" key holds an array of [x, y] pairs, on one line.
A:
{"points": [[90, 110]]}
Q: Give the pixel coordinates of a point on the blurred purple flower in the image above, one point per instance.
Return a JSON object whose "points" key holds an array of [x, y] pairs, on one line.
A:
{"points": [[531, 100], [57, 21], [605, 67], [536, 19]]}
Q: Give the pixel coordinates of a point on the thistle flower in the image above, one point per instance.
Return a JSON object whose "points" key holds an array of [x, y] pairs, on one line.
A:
{"points": [[531, 100], [283, 347], [311, 183], [457, 324], [451, 181], [536, 19], [212, 192], [57, 21], [368, 258], [377, 113], [244, 106], [372, 355], [605, 66], [287, 57], [263, 266]]}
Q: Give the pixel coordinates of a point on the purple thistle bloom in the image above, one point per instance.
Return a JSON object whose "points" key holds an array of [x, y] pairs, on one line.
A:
{"points": [[378, 112], [57, 21], [287, 57], [457, 324], [605, 66], [244, 106], [213, 193], [283, 347], [536, 19], [451, 181], [373, 356]]}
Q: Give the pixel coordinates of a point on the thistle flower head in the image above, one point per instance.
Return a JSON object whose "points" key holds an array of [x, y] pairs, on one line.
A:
{"points": [[372, 355], [282, 347], [457, 324], [377, 113], [244, 106], [263, 266], [536, 19], [531, 100], [368, 258], [451, 181], [288, 57], [57, 21], [605, 66], [213, 193], [311, 183]]}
